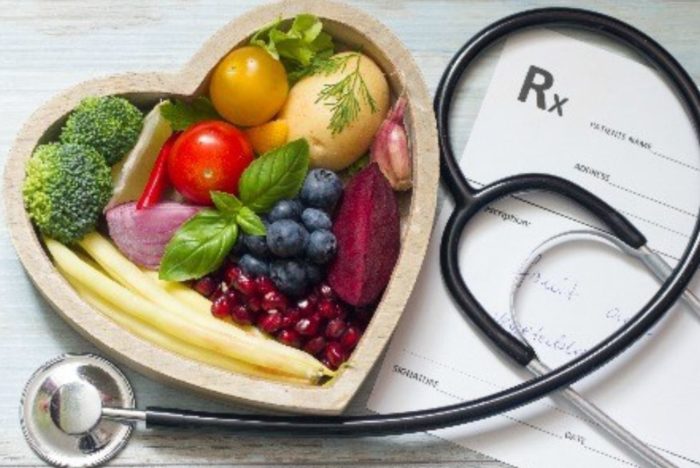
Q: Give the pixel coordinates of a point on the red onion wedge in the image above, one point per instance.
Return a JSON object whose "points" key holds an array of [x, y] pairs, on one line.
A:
{"points": [[141, 235], [390, 148]]}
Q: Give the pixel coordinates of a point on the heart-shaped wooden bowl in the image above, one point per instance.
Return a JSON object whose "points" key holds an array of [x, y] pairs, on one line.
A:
{"points": [[347, 25]]}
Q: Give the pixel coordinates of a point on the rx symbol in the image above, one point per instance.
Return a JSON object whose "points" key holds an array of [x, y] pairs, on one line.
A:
{"points": [[540, 80]]}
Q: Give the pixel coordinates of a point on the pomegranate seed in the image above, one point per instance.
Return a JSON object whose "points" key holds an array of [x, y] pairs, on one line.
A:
{"points": [[315, 345], [313, 298], [205, 286], [244, 284], [306, 307], [289, 337], [326, 291], [274, 300], [231, 274], [290, 317], [335, 328], [307, 326], [264, 285], [234, 298], [254, 304], [220, 307], [328, 309], [350, 338], [270, 323], [240, 314], [217, 294], [334, 354]]}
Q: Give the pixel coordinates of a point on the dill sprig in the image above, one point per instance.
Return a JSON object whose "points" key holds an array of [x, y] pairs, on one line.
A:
{"points": [[344, 97]]}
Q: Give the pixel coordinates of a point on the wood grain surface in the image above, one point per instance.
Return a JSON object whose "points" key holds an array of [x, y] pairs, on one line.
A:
{"points": [[49, 45]]}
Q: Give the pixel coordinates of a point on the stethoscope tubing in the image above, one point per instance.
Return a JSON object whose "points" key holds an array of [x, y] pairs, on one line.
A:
{"points": [[469, 201]]}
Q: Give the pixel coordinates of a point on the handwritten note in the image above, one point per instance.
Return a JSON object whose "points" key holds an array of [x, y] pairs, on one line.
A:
{"points": [[563, 107]]}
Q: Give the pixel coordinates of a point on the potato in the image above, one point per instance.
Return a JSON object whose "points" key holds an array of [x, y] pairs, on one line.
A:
{"points": [[308, 117]]}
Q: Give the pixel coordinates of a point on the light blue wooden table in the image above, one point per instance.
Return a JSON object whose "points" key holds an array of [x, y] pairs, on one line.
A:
{"points": [[48, 45]]}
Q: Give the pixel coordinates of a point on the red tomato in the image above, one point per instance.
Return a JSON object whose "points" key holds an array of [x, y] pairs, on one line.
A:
{"points": [[208, 156]]}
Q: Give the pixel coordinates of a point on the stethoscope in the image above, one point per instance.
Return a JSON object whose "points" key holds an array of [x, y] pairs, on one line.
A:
{"points": [[76, 408]]}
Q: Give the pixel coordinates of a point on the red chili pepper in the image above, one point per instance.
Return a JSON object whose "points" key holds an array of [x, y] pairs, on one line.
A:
{"points": [[158, 180]]}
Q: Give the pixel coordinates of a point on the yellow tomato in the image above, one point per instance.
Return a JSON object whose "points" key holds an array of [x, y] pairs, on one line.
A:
{"points": [[248, 87]]}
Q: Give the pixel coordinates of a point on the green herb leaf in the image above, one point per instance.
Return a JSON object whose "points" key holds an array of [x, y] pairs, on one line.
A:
{"points": [[250, 222], [275, 175], [226, 203], [298, 46], [198, 247], [344, 97], [182, 114]]}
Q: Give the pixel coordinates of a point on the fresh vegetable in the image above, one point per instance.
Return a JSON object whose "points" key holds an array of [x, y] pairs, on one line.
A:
{"points": [[346, 96], [268, 136], [65, 189], [300, 48], [174, 345], [158, 179], [110, 124], [322, 189], [208, 156], [248, 87], [390, 148], [201, 244], [181, 114], [171, 317], [142, 234], [131, 173], [338, 110], [368, 234], [190, 296]]}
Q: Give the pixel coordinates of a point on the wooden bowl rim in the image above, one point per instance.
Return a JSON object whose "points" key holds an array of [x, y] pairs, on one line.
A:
{"points": [[171, 368]]}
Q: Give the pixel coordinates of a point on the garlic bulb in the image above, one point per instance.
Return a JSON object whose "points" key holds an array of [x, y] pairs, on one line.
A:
{"points": [[390, 148]]}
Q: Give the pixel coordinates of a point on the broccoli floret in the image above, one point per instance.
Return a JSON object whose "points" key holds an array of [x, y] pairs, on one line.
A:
{"points": [[65, 190], [109, 124]]}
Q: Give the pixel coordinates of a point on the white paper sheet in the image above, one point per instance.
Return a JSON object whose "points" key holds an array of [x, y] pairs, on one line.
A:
{"points": [[622, 135]]}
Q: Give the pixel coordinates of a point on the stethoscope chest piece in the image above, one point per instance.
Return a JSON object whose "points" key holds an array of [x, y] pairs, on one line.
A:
{"points": [[61, 409]]}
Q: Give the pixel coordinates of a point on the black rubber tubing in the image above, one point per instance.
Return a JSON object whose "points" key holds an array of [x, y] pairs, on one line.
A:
{"points": [[535, 388]]}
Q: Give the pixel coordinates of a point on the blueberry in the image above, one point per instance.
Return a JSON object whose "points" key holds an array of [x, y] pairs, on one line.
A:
{"points": [[322, 189], [286, 238], [321, 247], [257, 245], [314, 219], [239, 247], [285, 209], [289, 276], [314, 274], [253, 267]]}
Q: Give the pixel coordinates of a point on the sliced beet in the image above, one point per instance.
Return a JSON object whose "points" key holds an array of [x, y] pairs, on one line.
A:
{"points": [[368, 234]]}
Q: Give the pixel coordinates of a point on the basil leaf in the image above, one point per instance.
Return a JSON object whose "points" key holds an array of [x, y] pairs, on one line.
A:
{"points": [[275, 175], [250, 222], [198, 247], [181, 114], [226, 203]]}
